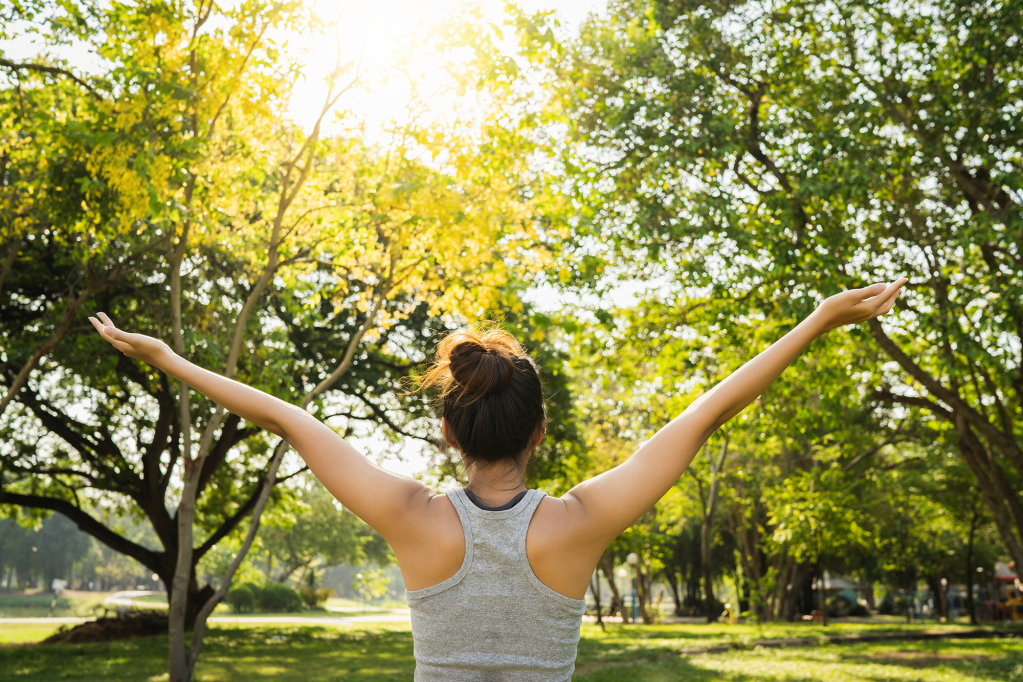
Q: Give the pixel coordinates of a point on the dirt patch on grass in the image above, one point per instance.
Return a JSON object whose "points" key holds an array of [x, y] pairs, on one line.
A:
{"points": [[594, 666], [918, 659], [143, 623]]}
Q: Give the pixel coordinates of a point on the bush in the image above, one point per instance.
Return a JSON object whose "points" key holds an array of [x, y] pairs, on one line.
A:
{"points": [[244, 597], [277, 597], [313, 597]]}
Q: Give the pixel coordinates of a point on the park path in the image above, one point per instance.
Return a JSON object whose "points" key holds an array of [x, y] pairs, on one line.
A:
{"points": [[130, 598], [397, 616]]}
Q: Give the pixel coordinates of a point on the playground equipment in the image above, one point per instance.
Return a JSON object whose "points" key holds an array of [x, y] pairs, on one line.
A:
{"points": [[1007, 596]]}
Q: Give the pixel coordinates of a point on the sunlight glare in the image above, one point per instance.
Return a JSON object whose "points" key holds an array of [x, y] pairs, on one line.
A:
{"points": [[405, 76]]}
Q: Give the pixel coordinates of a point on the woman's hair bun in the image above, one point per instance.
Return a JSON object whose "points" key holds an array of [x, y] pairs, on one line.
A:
{"points": [[479, 367], [491, 393], [474, 362]]}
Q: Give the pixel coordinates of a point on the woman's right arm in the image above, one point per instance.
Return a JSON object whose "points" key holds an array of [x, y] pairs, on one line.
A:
{"points": [[384, 500]]}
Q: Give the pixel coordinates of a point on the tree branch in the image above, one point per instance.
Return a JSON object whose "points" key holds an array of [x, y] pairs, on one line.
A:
{"points": [[52, 70], [951, 398], [88, 524]]}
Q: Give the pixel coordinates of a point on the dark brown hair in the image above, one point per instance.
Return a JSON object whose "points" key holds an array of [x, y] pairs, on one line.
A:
{"points": [[491, 394]]}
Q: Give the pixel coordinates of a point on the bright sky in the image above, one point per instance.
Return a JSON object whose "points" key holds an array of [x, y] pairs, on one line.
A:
{"points": [[404, 79]]}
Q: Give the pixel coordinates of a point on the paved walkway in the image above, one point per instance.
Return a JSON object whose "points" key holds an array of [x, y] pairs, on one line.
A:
{"points": [[129, 598], [33, 621], [313, 620]]}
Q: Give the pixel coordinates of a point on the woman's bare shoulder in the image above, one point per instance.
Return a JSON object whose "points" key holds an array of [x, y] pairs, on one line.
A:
{"points": [[433, 547], [560, 549]]}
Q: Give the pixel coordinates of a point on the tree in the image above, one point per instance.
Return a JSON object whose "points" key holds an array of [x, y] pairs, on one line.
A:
{"points": [[781, 152], [370, 583], [40, 554], [817, 519], [316, 533], [183, 205], [708, 505]]}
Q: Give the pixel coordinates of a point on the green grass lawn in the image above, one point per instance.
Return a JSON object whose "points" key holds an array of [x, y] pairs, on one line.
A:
{"points": [[624, 653], [23, 633], [358, 604], [21, 605]]}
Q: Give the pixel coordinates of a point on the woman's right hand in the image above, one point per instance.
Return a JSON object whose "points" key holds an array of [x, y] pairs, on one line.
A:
{"points": [[138, 346], [858, 305]]}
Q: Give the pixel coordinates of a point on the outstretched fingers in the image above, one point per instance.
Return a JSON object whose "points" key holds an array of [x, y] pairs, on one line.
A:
{"points": [[883, 302], [109, 332], [869, 293], [891, 292]]}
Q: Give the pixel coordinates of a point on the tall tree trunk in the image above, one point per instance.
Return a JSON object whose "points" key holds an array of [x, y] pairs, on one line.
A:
{"points": [[706, 534], [709, 603], [672, 580], [979, 439], [182, 657], [695, 573], [609, 573], [823, 590], [940, 604], [595, 591], [643, 593], [970, 606]]}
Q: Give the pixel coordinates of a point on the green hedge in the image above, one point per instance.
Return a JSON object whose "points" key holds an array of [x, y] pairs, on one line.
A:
{"points": [[272, 597]]}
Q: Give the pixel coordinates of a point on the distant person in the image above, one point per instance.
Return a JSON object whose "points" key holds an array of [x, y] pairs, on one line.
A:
{"points": [[496, 574]]}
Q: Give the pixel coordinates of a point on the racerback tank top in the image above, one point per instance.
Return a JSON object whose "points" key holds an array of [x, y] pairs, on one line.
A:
{"points": [[493, 620]]}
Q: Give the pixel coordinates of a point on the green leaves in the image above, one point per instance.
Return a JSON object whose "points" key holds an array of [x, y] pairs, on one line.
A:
{"points": [[814, 515]]}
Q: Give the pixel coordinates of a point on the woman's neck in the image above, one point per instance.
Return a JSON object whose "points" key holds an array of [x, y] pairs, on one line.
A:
{"points": [[497, 484]]}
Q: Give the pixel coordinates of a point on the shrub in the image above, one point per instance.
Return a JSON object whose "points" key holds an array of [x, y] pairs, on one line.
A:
{"points": [[277, 597], [244, 597], [313, 597]]}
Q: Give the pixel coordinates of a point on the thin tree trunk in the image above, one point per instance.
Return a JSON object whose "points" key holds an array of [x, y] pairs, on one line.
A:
{"points": [[643, 594], [609, 572], [271, 479], [595, 591], [181, 657], [706, 531], [176, 613], [970, 606], [672, 580], [823, 594]]}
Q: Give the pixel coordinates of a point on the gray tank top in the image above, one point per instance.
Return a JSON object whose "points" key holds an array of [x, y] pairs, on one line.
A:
{"points": [[493, 620]]}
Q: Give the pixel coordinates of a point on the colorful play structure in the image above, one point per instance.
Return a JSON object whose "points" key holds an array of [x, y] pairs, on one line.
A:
{"points": [[1006, 602]]}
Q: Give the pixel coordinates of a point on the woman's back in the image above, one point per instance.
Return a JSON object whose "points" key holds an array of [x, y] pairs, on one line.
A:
{"points": [[494, 619]]}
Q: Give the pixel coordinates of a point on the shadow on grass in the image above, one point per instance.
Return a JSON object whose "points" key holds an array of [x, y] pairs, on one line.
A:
{"points": [[993, 659], [238, 653], [230, 654], [927, 661]]}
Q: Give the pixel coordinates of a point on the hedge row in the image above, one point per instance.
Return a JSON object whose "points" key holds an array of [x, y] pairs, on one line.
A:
{"points": [[268, 597]]}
